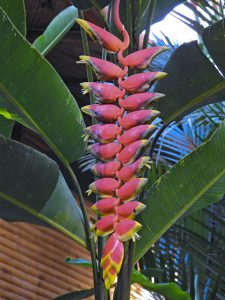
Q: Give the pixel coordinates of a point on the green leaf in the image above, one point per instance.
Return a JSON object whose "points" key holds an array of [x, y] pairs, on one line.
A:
{"points": [[152, 272], [213, 38], [32, 189], [37, 93], [16, 12], [87, 4], [169, 290], [6, 126], [162, 9], [56, 30], [76, 295], [192, 82], [78, 261], [195, 182]]}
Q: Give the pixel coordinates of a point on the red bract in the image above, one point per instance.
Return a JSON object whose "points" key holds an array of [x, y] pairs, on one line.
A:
{"points": [[139, 101], [140, 59], [104, 70], [129, 210], [104, 187], [105, 206], [129, 154], [107, 113], [108, 169], [137, 118], [136, 133], [112, 259], [120, 144], [106, 39], [105, 152], [140, 82], [127, 229], [128, 172], [103, 133], [104, 93], [131, 189], [105, 225]]}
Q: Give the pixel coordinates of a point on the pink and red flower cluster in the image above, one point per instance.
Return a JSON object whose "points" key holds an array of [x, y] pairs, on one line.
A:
{"points": [[121, 135]]}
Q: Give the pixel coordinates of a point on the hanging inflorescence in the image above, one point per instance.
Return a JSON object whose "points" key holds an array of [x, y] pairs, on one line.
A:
{"points": [[121, 135]]}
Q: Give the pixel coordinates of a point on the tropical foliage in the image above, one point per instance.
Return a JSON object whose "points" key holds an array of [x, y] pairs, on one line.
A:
{"points": [[195, 145]]}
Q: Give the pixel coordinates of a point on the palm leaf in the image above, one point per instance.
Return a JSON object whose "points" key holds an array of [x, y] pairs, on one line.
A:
{"points": [[178, 191]]}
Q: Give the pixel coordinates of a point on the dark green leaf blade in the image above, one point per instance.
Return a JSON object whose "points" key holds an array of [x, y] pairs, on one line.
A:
{"points": [[152, 272], [169, 290], [77, 295], [16, 12], [56, 30], [196, 181], [213, 39], [38, 94], [87, 4], [6, 126], [32, 188], [192, 82], [162, 9]]}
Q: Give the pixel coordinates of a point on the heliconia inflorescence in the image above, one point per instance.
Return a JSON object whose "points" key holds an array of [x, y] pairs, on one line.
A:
{"points": [[123, 132]]}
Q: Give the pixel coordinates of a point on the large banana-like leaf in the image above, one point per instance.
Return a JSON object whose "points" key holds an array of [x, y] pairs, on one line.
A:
{"points": [[16, 12], [169, 290], [36, 92], [193, 80], [213, 38], [56, 30], [6, 126], [32, 189], [196, 181], [87, 4], [161, 10]]}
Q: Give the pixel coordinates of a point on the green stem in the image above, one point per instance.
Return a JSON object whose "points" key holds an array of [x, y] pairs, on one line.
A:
{"points": [[97, 285], [86, 52], [89, 240], [150, 18]]}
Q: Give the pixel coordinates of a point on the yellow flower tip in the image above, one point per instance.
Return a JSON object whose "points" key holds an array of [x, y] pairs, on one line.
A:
{"points": [[135, 237], [86, 27], [160, 75], [165, 48], [148, 166], [89, 192], [85, 86], [94, 208], [83, 59], [85, 137], [157, 96], [107, 284], [93, 228]]}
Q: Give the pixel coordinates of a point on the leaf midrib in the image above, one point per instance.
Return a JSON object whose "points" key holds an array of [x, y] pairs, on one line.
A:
{"points": [[45, 51], [196, 100], [183, 210], [27, 116], [40, 216]]}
